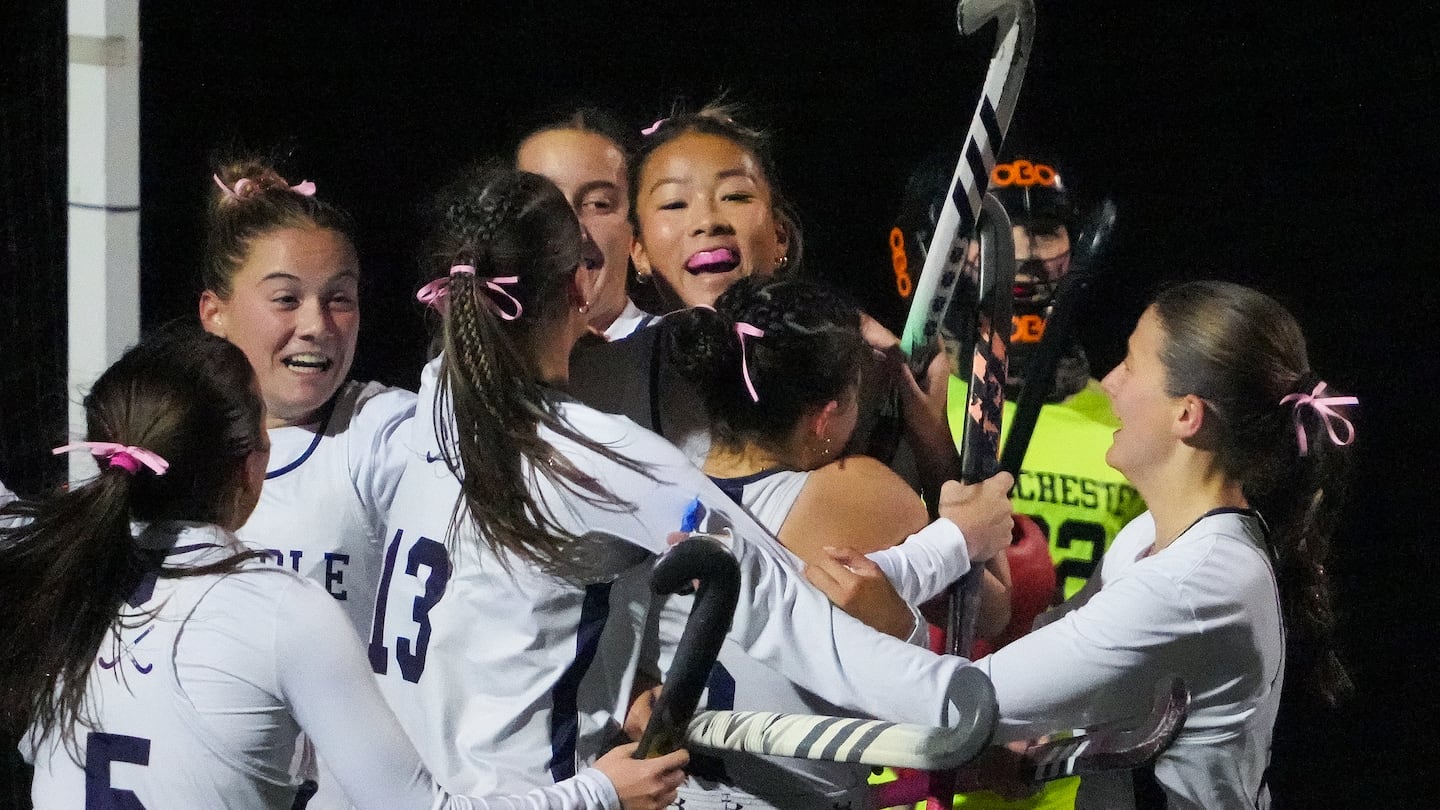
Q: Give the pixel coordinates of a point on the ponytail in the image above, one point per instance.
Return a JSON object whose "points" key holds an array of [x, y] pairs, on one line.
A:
{"points": [[1244, 355], [68, 563], [520, 242]]}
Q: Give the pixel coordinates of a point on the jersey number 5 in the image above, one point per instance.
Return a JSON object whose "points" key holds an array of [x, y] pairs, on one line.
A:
{"points": [[409, 654], [101, 750]]}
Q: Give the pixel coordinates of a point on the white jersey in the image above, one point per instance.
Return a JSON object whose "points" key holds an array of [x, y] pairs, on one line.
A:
{"points": [[500, 677], [199, 697], [322, 508], [630, 320], [1205, 608], [738, 681]]}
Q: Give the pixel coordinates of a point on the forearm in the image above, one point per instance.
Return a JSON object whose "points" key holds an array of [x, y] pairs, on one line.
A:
{"points": [[926, 563]]}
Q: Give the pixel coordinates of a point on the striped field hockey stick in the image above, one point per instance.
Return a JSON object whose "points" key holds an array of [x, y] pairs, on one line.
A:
{"points": [[961, 209], [867, 742], [1100, 748], [1105, 747]]}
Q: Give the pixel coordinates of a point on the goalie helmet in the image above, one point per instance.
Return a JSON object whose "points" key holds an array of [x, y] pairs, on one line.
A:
{"points": [[1036, 199]]}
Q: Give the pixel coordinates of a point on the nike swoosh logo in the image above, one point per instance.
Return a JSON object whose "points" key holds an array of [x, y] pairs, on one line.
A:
{"points": [[431, 458]]}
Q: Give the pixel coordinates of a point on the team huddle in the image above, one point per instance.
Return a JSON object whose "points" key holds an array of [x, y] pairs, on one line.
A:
{"points": [[285, 587]]}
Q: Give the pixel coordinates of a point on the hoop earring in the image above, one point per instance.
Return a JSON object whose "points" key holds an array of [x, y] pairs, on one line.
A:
{"points": [[584, 309]]}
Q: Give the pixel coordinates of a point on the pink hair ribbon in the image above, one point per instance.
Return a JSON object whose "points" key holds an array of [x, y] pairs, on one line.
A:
{"points": [[125, 456], [246, 188], [650, 130], [1322, 405], [743, 330], [434, 293]]}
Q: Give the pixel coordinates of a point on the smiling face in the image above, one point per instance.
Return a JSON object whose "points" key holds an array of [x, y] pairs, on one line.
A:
{"points": [[1149, 416], [590, 171], [294, 309], [706, 218]]}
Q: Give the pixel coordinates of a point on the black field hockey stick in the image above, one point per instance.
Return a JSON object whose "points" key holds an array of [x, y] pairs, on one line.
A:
{"points": [[961, 209], [1070, 295], [707, 560], [985, 395], [984, 414]]}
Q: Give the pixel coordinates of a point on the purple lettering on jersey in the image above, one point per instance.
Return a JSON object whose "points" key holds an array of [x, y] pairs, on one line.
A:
{"points": [[379, 653], [333, 577], [102, 749], [432, 555], [295, 555], [277, 554]]}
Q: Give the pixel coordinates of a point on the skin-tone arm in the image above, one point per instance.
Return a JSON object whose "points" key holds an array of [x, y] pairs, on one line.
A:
{"points": [[864, 502], [860, 504]]}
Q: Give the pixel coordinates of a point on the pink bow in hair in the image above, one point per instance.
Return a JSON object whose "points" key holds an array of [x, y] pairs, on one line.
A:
{"points": [[1328, 416], [125, 456]]}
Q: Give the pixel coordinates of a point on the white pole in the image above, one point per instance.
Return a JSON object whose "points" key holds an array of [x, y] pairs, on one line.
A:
{"points": [[104, 194]]}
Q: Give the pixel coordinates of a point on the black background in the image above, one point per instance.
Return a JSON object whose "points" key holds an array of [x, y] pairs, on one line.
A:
{"points": [[1284, 145]]}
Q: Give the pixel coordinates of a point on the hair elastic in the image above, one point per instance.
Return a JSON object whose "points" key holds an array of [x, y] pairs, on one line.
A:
{"points": [[650, 130], [743, 330], [1328, 416], [245, 188], [127, 457], [434, 294]]}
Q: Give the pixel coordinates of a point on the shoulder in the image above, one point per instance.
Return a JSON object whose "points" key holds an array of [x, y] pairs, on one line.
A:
{"points": [[1229, 545], [859, 499], [862, 477], [371, 404]]}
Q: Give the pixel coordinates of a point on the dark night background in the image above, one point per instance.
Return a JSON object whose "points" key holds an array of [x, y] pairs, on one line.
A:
{"points": [[1284, 145]]}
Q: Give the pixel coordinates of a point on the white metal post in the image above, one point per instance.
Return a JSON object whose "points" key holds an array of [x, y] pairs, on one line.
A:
{"points": [[104, 194]]}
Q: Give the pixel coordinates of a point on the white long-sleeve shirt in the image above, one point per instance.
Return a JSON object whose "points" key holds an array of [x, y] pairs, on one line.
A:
{"points": [[500, 676], [199, 698], [1205, 608]]}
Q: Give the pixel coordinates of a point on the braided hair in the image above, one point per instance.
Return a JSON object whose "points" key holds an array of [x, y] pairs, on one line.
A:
{"points": [[810, 354], [507, 223], [1241, 352]]}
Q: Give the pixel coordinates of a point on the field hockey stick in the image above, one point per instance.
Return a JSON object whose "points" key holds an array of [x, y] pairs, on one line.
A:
{"points": [[961, 209], [1096, 749], [1070, 296], [847, 739], [985, 395], [1112, 746], [1103, 747], [706, 559], [984, 414]]}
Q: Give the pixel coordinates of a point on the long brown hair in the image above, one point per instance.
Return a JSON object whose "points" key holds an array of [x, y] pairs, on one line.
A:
{"points": [[1241, 352], [507, 223], [72, 560]]}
